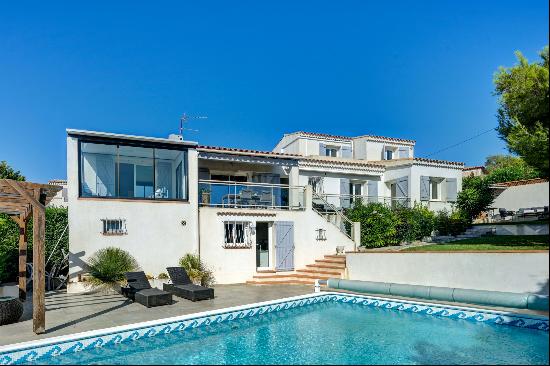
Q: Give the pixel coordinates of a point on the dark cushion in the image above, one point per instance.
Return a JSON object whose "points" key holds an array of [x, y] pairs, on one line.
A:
{"points": [[178, 275]]}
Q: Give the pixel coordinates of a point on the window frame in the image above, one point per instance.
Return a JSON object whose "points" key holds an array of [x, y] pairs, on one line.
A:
{"points": [[246, 234], [332, 148], [434, 182], [143, 144]]}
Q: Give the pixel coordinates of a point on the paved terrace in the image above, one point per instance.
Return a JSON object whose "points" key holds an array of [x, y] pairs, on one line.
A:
{"points": [[74, 313]]}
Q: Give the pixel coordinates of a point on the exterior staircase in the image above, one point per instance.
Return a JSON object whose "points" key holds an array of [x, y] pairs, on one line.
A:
{"points": [[331, 266]]}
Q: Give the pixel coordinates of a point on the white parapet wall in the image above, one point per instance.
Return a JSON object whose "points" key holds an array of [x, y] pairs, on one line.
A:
{"points": [[520, 272]]}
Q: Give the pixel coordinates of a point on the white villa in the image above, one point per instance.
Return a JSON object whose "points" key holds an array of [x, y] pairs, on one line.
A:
{"points": [[249, 214]]}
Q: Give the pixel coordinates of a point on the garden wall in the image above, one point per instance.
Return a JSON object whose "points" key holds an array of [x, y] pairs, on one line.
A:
{"points": [[524, 272]]}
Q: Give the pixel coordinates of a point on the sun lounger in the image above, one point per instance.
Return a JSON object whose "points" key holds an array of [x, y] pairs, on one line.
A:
{"points": [[139, 289], [182, 286]]}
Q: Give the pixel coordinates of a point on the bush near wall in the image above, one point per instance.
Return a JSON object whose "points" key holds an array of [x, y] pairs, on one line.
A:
{"points": [[56, 220], [414, 223], [384, 226], [379, 224], [451, 223]]}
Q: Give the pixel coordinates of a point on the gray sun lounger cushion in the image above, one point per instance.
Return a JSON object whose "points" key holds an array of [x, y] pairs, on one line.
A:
{"points": [[182, 286], [140, 290]]}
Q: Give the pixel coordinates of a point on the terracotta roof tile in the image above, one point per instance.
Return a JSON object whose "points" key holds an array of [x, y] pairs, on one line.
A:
{"points": [[347, 138], [244, 151], [520, 182]]}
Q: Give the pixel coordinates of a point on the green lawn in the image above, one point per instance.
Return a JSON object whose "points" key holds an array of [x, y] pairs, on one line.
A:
{"points": [[500, 242]]}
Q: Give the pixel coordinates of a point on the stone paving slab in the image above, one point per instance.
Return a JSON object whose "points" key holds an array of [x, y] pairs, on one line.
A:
{"points": [[74, 313]]}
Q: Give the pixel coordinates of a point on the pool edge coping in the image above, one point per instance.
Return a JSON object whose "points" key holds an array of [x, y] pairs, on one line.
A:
{"points": [[13, 348]]}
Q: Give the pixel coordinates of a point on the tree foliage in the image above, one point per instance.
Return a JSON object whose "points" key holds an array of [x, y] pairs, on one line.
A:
{"points": [[7, 172], [56, 241], [476, 196], [506, 168], [523, 113]]}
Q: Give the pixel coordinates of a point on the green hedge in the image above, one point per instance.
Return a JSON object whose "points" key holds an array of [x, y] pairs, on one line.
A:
{"points": [[56, 220], [383, 226]]}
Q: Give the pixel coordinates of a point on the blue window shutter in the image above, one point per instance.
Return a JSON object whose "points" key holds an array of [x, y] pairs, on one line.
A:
{"points": [[451, 189], [322, 149], [424, 188], [344, 190], [346, 151], [402, 186]]}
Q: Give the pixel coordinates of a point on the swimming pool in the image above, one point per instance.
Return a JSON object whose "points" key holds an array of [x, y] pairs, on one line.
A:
{"points": [[313, 329]]}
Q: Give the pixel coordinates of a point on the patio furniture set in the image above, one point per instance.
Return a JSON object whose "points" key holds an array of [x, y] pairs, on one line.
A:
{"points": [[139, 289], [522, 213]]}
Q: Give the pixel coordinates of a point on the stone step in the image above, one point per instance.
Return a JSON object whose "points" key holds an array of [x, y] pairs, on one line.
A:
{"points": [[337, 264], [321, 271], [337, 258], [325, 266]]}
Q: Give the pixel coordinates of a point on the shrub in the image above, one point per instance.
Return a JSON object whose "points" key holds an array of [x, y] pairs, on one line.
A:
{"points": [[163, 276], [108, 265], [453, 223], [414, 223], [196, 269], [378, 224]]}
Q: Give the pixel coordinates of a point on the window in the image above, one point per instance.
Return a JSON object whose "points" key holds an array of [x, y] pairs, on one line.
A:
{"points": [[114, 226], [237, 234], [331, 151], [127, 171], [389, 154], [355, 189], [316, 183], [434, 189]]}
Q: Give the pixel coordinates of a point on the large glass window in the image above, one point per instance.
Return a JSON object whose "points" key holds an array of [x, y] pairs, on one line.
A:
{"points": [[132, 172]]}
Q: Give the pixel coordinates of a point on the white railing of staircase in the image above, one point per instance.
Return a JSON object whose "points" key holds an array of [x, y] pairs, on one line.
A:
{"points": [[330, 211]]}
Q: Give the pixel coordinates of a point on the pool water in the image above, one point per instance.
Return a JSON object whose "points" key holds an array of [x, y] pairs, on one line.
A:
{"points": [[330, 333]]}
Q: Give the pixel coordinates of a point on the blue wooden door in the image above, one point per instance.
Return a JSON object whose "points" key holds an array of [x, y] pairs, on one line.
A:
{"points": [[284, 245]]}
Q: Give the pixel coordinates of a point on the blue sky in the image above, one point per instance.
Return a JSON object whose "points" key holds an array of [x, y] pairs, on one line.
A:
{"points": [[257, 69]]}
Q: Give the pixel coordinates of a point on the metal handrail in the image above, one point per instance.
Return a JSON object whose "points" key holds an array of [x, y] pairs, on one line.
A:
{"points": [[234, 201], [231, 182], [337, 212]]}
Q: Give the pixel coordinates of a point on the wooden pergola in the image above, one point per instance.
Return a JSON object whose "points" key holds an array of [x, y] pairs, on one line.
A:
{"points": [[21, 200]]}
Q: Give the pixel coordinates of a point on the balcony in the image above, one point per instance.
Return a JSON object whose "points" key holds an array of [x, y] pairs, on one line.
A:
{"points": [[226, 194], [348, 200]]}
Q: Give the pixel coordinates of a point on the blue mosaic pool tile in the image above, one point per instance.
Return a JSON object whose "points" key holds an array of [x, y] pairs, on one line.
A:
{"points": [[77, 345]]}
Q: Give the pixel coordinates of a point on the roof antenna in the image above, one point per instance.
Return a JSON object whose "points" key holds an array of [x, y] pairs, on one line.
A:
{"points": [[185, 119]]}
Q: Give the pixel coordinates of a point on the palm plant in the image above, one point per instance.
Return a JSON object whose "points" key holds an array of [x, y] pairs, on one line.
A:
{"points": [[196, 269], [108, 265]]}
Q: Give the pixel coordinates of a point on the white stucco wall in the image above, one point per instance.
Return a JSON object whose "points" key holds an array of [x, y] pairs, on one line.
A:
{"points": [[414, 172], [239, 265], [156, 236], [525, 196], [508, 272]]}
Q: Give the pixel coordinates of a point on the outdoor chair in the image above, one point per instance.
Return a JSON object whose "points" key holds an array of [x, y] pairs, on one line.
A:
{"points": [[265, 199], [182, 286], [139, 289], [246, 197]]}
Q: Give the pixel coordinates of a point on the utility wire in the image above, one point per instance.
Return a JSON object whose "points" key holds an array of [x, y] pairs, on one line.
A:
{"points": [[461, 142]]}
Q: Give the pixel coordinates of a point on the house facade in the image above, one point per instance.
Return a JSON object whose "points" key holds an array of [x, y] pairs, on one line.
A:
{"points": [[245, 212]]}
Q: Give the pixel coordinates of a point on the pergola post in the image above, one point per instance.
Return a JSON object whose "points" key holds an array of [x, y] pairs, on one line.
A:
{"points": [[39, 272], [22, 222], [18, 200]]}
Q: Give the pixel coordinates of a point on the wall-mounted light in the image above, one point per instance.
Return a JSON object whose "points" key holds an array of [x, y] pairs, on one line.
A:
{"points": [[321, 234], [183, 222]]}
